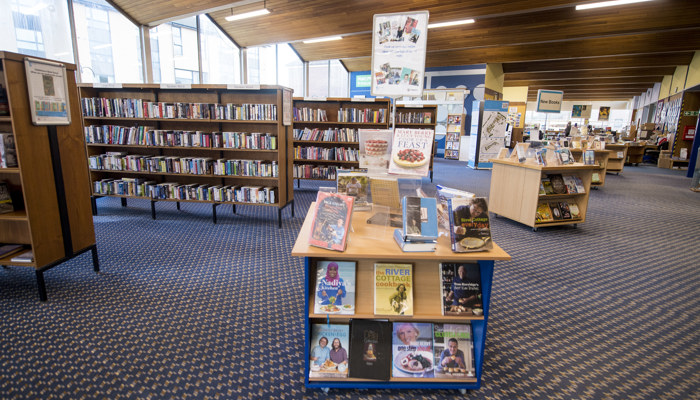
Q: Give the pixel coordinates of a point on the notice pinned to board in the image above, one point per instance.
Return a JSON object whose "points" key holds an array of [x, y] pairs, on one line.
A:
{"points": [[47, 84]]}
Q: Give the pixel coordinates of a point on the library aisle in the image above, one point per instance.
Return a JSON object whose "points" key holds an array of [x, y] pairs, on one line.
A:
{"points": [[183, 308]]}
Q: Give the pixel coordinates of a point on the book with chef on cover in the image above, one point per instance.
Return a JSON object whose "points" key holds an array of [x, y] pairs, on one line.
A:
{"points": [[331, 221], [469, 225], [328, 351], [412, 350], [335, 287], [393, 289], [453, 346]]}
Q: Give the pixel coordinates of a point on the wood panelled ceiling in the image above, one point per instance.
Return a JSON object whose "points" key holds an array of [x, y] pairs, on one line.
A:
{"points": [[617, 52]]}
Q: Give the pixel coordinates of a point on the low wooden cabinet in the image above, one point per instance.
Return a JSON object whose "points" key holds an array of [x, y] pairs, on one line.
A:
{"points": [[515, 191], [368, 244], [616, 158], [601, 167], [54, 219]]}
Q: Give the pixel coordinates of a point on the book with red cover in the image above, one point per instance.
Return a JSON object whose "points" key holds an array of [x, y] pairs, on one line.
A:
{"points": [[332, 217]]}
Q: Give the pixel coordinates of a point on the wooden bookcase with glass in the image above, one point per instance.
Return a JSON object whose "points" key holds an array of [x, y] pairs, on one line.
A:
{"points": [[517, 193], [43, 172], [205, 144], [370, 244], [325, 133]]}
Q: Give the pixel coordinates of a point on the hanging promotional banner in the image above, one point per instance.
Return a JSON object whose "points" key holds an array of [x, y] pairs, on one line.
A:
{"points": [[549, 100], [399, 43], [581, 111]]}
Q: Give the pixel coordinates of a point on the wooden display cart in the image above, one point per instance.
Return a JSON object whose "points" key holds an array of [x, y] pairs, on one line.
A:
{"points": [[54, 219], [515, 191], [635, 153], [253, 161], [374, 243], [601, 167], [616, 158]]}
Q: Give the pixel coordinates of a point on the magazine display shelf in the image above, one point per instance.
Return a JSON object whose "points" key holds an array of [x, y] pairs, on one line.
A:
{"points": [[211, 94], [368, 244], [601, 159], [52, 216], [617, 157], [515, 191]]}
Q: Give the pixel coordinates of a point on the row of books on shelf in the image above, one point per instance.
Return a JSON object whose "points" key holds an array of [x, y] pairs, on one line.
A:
{"points": [[414, 118], [328, 135], [139, 108], [362, 115], [326, 153], [561, 184], [380, 350], [8, 152], [393, 289], [147, 136], [120, 161], [556, 211], [310, 171], [176, 191], [310, 114]]}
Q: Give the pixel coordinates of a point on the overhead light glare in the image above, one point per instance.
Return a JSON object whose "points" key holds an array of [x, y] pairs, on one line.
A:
{"points": [[451, 23], [251, 14], [607, 4], [325, 39]]}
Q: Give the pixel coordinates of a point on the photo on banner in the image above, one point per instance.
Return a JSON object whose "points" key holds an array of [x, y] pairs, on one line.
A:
{"points": [[399, 43]]}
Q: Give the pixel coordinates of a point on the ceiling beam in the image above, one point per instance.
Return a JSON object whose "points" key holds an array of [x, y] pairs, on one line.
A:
{"points": [[631, 73], [607, 62]]}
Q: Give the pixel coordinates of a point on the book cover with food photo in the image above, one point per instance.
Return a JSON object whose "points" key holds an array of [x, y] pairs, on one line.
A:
{"points": [[412, 350], [335, 287], [375, 149], [461, 289], [469, 225], [453, 346], [331, 221], [370, 349], [328, 355], [393, 289], [411, 151]]}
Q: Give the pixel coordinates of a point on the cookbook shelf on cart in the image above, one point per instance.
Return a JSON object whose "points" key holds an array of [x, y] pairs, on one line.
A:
{"points": [[326, 131], [369, 244], [202, 143]]}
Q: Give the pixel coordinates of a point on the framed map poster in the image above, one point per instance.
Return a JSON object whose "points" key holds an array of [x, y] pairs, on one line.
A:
{"points": [[47, 85], [399, 43]]}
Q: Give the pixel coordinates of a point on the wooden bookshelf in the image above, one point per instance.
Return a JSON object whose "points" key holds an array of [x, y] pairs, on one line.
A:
{"points": [[54, 219], [515, 191], [369, 244], [601, 167], [200, 111], [616, 157]]}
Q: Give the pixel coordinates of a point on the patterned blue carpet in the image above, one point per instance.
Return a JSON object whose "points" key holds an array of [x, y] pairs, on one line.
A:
{"points": [[185, 309]]}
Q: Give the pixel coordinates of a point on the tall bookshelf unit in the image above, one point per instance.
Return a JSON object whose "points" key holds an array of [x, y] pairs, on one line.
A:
{"points": [[369, 244], [54, 219], [515, 191], [191, 145], [319, 158]]}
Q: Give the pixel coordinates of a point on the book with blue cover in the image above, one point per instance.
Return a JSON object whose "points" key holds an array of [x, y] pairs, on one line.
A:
{"points": [[419, 219]]}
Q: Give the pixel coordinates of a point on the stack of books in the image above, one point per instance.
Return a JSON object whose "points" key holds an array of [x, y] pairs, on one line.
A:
{"points": [[420, 227]]}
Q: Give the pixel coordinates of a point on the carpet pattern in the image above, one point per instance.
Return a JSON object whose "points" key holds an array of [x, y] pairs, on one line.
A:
{"points": [[187, 309]]}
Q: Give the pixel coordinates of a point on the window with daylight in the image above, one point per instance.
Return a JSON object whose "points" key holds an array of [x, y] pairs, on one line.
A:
{"points": [[291, 69], [221, 58], [174, 52]]}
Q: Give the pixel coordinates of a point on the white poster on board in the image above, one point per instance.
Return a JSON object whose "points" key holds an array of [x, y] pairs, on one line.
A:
{"points": [[48, 92], [399, 43]]}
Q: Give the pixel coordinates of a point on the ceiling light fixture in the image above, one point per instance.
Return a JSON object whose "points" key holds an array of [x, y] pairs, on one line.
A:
{"points": [[256, 13], [451, 23], [607, 4], [325, 39]]}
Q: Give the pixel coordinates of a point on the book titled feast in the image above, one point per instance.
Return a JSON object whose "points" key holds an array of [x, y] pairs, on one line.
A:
{"points": [[331, 221], [411, 151], [335, 287], [393, 289]]}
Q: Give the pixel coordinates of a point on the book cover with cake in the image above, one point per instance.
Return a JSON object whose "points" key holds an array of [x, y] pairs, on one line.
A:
{"points": [[328, 351], [469, 225], [393, 289], [329, 228], [370, 349], [412, 350], [375, 148], [411, 150], [453, 345], [335, 287], [461, 289]]}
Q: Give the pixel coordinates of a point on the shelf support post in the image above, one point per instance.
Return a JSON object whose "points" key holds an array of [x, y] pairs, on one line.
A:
{"points": [[153, 209], [213, 211], [42, 286]]}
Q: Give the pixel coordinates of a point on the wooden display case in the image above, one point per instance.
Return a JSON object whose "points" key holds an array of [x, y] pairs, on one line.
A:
{"points": [[616, 158], [601, 167], [52, 216], [374, 243], [254, 118], [635, 153], [515, 191]]}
